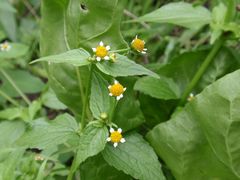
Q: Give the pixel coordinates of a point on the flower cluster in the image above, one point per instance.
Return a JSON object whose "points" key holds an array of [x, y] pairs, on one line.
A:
{"points": [[116, 89]]}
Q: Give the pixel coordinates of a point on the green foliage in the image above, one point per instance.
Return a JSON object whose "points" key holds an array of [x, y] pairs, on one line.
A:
{"points": [[182, 139], [141, 165], [185, 15]]}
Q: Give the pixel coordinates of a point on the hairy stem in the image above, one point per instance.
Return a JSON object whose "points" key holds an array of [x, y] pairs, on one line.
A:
{"points": [[217, 45], [25, 98]]}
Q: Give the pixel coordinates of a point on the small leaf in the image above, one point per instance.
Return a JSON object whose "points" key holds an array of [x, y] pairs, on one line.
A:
{"points": [[100, 101], [91, 142], [76, 57], [11, 113], [163, 88], [179, 13], [43, 134], [143, 165], [124, 67]]}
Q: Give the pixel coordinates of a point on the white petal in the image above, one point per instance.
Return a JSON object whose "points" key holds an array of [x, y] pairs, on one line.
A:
{"points": [[108, 139], [94, 49], [111, 130], [108, 48], [101, 43], [143, 52], [145, 49], [143, 41], [106, 58], [109, 86], [110, 94], [118, 98], [123, 140], [124, 89], [121, 95], [115, 144], [115, 82], [98, 58], [119, 130], [136, 36]]}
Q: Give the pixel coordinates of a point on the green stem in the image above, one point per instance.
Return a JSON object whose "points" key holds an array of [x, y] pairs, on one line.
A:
{"points": [[3, 94], [120, 50], [201, 70], [85, 102], [71, 172], [15, 86], [112, 111], [80, 83]]}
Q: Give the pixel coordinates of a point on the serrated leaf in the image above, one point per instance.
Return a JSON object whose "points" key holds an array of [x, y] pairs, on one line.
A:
{"points": [[185, 15], [163, 88], [43, 133], [76, 57], [143, 165], [124, 67], [91, 142], [100, 101]]}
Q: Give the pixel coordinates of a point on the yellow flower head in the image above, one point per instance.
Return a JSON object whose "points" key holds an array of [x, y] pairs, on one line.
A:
{"points": [[190, 97], [5, 46], [101, 52], [116, 137], [139, 45], [116, 90]]}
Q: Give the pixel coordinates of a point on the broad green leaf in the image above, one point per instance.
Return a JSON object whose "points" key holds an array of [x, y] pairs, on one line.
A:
{"points": [[124, 67], [143, 165], [97, 168], [16, 50], [100, 101], [206, 129], [50, 100], [76, 57], [43, 133], [6, 6], [217, 110], [91, 142], [24, 80], [163, 88], [179, 13]]}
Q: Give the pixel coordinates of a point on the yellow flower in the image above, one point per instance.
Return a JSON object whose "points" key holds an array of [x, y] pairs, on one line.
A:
{"points": [[116, 137], [190, 97], [38, 157], [101, 52], [5, 46], [116, 90], [139, 45]]}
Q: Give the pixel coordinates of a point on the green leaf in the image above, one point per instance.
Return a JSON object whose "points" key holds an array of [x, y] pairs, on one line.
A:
{"points": [[184, 15], [100, 101], [143, 165], [163, 88], [221, 123], [10, 113], [24, 80], [44, 134], [124, 67], [97, 168], [6, 6], [50, 100], [16, 50], [91, 142], [206, 129], [76, 57], [10, 131]]}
